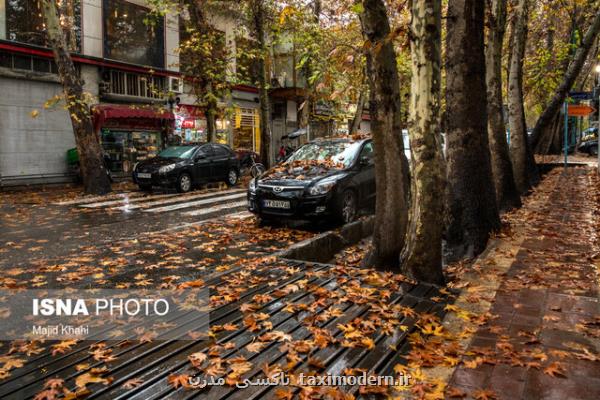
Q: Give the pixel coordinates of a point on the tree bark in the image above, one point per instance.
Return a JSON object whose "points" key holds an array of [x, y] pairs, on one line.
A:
{"points": [[259, 27], [391, 165], [544, 122], [360, 105], [473, 211], [507, 195], [422, 256], [91, 163], [519, 143]]}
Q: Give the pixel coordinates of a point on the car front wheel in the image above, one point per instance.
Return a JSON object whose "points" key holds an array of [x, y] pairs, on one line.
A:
{"points": [[347, 207], [145, 188], [184, 183], [594, 150], [232, 177]]}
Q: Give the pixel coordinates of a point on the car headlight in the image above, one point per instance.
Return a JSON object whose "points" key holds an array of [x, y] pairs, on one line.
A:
{"points": [[252, 186], [166, 168], [322, 187]]}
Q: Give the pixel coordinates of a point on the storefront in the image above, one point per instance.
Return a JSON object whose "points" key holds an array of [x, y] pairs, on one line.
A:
{"points": [[130, 134], [246, 131], [191, 125]]}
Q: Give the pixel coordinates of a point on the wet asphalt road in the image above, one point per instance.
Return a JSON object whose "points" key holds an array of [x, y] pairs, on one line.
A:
{"points": [[53, 238]]}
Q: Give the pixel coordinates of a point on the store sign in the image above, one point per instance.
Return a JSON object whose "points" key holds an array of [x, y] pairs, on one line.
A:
{"points": [[187, 124]]}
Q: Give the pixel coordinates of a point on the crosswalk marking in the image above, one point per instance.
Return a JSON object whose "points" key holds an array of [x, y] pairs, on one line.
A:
{"points": [[178, 199], [196, 203], [126, 199], [85, 200], [213, 209]]}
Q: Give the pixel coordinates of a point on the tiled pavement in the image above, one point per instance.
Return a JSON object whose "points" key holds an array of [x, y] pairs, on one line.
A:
{"points": [[547, 304]]}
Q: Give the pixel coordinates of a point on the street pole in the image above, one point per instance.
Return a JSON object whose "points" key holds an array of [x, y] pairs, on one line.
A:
{"points": [[598, 120], [566, 141], [598, 134]]}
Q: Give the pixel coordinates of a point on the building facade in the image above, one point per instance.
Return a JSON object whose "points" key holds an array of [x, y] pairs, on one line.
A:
{"points": [[128, 66]]}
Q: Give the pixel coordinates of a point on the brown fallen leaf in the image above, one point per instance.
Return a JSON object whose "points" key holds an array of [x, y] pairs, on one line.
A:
{"points": [[484, 394], [555, 370], [132, 383], [177, 381]]}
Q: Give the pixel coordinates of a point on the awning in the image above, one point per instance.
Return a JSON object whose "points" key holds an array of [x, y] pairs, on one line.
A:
{"points": [[103, 112], [107, 111]]}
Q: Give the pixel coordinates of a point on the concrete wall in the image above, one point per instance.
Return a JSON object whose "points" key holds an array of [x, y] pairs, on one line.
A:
{"points": [[32, 149], [92, 28]]}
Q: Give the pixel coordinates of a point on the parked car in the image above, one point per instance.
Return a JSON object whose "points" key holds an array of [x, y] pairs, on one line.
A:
{"points": [[332, 178], [183, 167], [590, 147], [589, 142]]}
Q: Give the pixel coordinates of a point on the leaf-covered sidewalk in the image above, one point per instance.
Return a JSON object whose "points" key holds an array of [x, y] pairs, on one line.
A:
{"points": [[540, 337]]}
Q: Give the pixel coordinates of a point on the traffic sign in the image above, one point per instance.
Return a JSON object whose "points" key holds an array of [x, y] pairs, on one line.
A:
{"points": [[580, 110]]}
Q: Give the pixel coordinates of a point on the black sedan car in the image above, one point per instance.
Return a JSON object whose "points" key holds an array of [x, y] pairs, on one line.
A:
{"points": [[325, 178], [183, 167]]}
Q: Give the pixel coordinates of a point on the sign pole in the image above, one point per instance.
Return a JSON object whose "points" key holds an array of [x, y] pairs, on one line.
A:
{"points": [[598, 136], [566, 107]]}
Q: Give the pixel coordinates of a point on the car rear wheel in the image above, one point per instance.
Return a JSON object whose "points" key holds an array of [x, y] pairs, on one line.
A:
{"points": [[184, 183], [347, 208], [232, 177]]}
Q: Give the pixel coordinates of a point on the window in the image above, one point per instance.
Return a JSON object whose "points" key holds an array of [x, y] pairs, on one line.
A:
{"points": [[247, 67], [220, 151], [133, 84], [27, 63], [25, 22], [201, 52], [130, 35], [367, 152]]}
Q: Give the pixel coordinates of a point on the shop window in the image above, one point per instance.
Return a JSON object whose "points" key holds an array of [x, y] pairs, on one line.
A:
{"points": [[25, 22], [131, 35], [124, 148]]}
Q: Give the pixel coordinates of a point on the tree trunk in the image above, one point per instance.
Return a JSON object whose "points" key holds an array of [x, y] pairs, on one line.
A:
{"points": [[391, 166], [211, 114], [258, 25], [422, 256], [204, 90], [519, 144], [360, 105], [91, 163], [545, 120], [507, 195], [473, 211]]}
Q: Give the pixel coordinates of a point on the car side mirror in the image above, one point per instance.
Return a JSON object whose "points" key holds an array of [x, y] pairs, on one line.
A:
{"points": [[365, 161], [200, 156]]}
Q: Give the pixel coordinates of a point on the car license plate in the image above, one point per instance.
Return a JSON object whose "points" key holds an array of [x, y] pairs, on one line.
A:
{"points": [[144, 175], [277, 204]]}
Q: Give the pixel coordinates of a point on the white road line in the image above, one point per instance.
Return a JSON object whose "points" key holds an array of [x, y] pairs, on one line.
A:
{"points": [[96, 198], [213, 209], [238, 215], [127, 200], [196, 203], [176, 199]]}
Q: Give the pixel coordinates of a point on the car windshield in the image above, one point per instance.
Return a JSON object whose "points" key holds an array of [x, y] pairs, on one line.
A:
{"points": [[327, 152], [178, 152]]}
